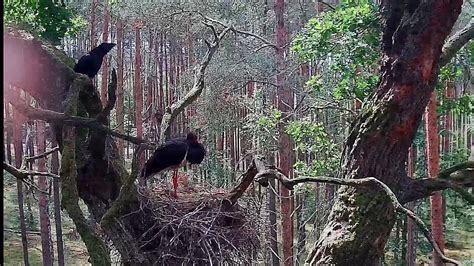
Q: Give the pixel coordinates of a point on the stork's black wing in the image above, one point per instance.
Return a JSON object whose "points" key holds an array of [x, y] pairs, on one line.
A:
{"points": [[89, 65], [171, 153]]}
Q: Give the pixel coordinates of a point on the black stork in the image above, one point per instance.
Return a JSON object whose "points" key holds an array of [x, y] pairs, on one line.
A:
{"points": [[90, 63], [173, 154]]}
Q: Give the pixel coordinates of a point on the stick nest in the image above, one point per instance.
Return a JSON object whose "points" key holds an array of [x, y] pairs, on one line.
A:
{"points": [[199, 227]]}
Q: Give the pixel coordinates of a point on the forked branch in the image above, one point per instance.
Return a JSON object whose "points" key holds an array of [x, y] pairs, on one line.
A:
{"points": [[172, 112]]}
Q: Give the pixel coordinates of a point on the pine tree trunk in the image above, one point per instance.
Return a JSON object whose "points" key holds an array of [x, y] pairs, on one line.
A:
{"points": [[93, 41], [45, 226], [120, 99], [137, 89], [17, 145], [285, 103], [411, 252], [301, 248], [273, 224], [432, 150], [57, 205], [105, 63]]}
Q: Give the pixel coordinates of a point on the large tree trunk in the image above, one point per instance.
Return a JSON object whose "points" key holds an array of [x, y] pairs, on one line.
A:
{"points": [[361, 220], [45, 226], [285, 103], [432, 151]]}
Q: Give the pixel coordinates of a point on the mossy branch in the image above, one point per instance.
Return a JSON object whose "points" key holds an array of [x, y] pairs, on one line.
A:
{"points": [[128, 192]]}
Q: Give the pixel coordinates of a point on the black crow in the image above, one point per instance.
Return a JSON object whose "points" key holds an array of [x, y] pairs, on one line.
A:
{"points": [[90, 63]]}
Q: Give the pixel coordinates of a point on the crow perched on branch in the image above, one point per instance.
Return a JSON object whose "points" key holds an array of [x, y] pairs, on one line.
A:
{"points": [[90, 63]]}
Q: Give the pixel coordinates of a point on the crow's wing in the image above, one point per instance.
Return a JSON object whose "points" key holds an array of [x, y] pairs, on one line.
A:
{"points": [[89, 65]]}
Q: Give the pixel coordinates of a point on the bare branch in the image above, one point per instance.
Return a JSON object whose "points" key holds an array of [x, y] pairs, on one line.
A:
{"points": [[55, 117], [172, 112], [327, 4], [362, 182], [23, 175], [457, 178], [247, 33], [256, 167], [44, 154], [456, 42], [214, 32]]}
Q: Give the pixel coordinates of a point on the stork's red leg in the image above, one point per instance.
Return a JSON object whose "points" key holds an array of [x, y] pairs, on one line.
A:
{"points": [[175, 181]]}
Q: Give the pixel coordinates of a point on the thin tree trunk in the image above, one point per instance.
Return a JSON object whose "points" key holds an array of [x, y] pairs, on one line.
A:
{"points": [[285, 103], [93, 41], [411, 252], [432, 150], [105, 63], [160, 69], [9, 133], [120, 94], [57, 205], [45, 226], [137, 89], [273, 224], [301, 247], [17, 145]]}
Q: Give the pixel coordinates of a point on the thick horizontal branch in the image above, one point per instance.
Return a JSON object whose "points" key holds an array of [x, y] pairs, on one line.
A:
{"points": [[457, 178], [362, 182], [456, 42], [56, 117]]}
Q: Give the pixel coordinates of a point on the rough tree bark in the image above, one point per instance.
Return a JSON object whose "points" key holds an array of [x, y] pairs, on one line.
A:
{"points": [[45, 225], [432, 152], [360, 222], [285, 104]]}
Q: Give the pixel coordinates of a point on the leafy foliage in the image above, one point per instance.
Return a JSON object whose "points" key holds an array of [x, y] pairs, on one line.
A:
{"points": [[348, 42], [48, 19]]}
